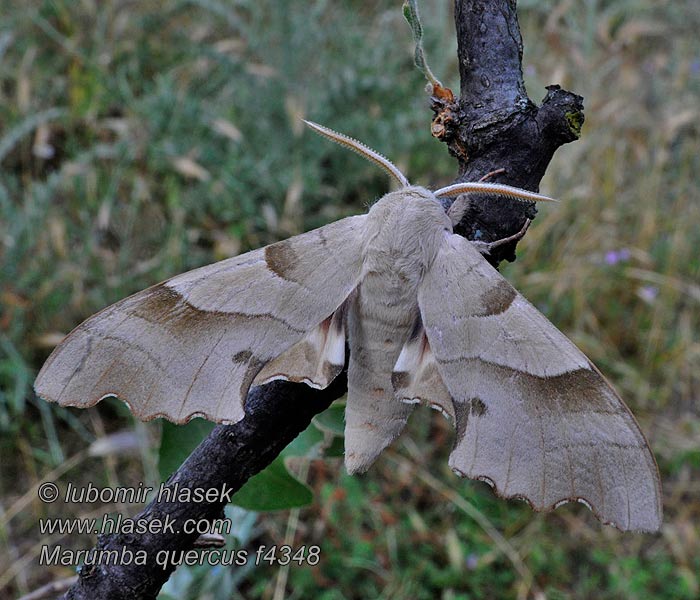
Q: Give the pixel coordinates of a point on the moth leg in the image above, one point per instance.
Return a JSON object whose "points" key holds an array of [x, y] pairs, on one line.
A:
{"points": [[485, 248], [492, 174]]}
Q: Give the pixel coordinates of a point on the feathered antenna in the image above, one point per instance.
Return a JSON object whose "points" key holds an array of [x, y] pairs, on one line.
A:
{"points": [[499, 189], [451, 190], [362, 150]]}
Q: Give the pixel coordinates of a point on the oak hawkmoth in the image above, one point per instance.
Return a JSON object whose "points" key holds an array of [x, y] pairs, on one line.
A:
{"points": [[425, 318]]}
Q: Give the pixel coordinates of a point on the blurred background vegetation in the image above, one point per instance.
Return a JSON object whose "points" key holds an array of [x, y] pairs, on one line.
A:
{"points": [[142, 139]]}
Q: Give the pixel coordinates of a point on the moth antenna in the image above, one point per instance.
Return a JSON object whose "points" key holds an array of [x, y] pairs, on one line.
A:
{"points": [[492, 188], [361, 149]]}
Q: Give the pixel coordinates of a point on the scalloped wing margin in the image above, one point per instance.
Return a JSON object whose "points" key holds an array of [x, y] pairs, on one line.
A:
{"points": [[534, 418], [193, 345]]}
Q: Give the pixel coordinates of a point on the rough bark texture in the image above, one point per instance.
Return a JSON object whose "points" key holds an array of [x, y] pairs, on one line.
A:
{"points": [[275, 414], [493, 125]]}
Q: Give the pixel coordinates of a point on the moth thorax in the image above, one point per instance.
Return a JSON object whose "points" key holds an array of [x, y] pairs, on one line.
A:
{"points": [[404, 232]]}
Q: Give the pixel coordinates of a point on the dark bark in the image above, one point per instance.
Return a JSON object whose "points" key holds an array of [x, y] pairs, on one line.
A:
{"points": [[493, 125], [275, 414]]}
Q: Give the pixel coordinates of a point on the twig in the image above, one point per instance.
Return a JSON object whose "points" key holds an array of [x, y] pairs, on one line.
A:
{"points": [[50, 590]]}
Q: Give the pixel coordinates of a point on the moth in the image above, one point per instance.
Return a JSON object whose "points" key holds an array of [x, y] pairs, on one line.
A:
{"points": [[426, 320]]}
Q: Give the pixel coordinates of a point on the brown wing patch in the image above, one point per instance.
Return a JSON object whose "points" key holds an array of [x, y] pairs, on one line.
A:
{"points": [[281, 259], [497, 299], [416, 378], [534, 418], [401, 379]]}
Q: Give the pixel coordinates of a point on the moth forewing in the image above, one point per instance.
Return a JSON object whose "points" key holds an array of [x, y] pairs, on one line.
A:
{"points": [[194, 344]]}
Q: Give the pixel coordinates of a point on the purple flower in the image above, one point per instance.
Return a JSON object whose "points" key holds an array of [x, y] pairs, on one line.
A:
{"points": [[612, 257], [648, 293]]}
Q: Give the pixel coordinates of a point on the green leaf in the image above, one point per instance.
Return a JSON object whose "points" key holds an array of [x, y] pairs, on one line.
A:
{"points": [[332, 420], [273, 489], [336, 449], [307, 443], [177, 442], [410, 13]]}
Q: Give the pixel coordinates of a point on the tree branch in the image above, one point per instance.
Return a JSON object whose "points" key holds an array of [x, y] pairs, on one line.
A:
{"points": [[493, 125], [275, 414]]}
